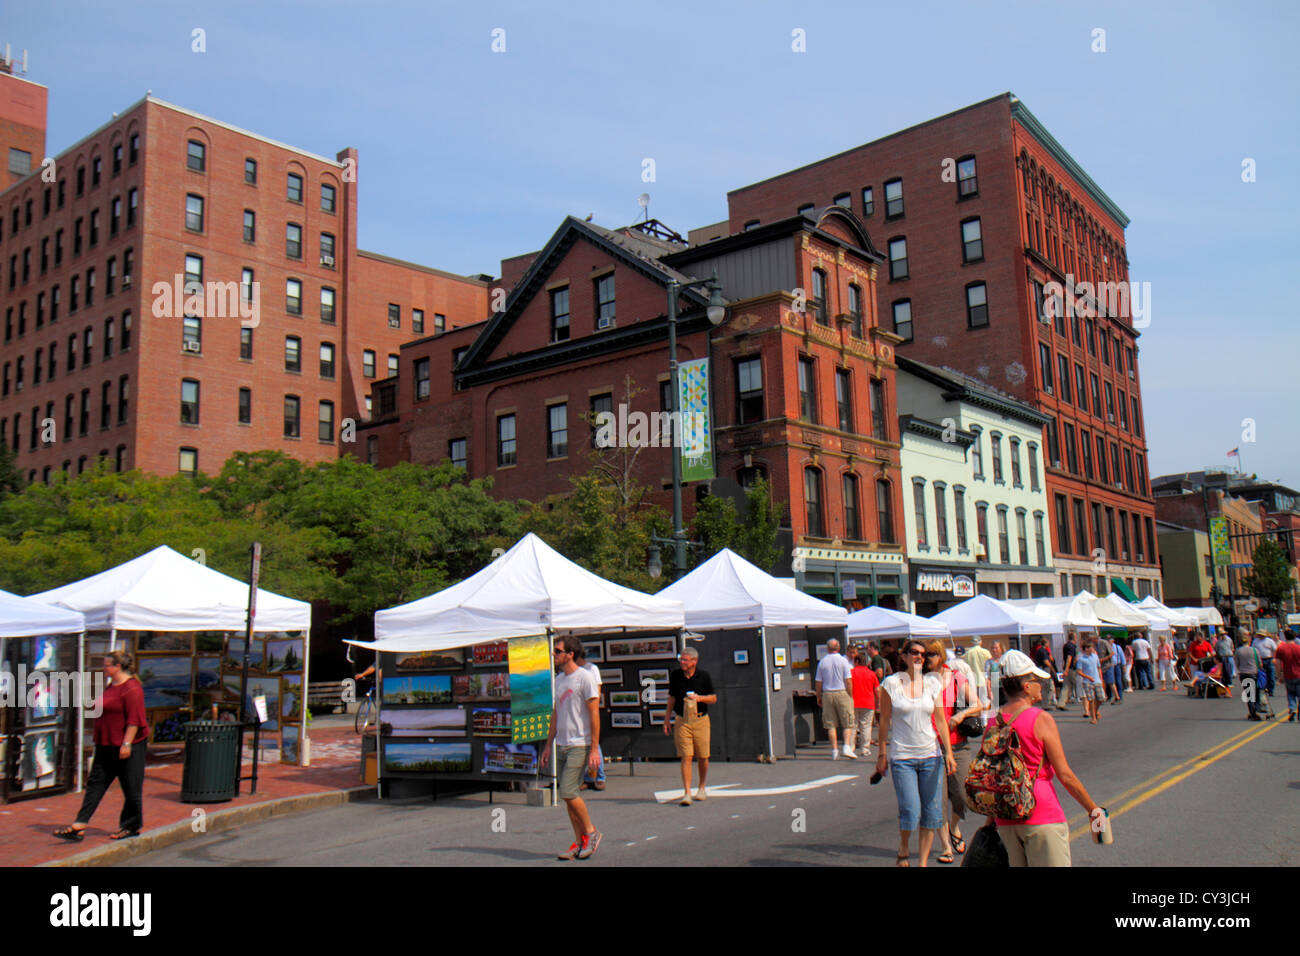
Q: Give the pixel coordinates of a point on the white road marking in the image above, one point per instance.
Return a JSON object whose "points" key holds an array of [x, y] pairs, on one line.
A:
{"points": [[728, 789], [651, 838], [690, 828], [735, 816]]}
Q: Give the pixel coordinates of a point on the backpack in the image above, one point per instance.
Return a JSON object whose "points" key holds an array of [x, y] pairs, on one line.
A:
{"points": [[999, 783]]}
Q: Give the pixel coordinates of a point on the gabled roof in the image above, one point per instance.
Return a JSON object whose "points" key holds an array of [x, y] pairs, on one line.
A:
{"points": [[627, 246], [960, 387]]}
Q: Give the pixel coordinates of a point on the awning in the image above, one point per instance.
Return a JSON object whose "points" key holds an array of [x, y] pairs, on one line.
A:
{"points": [[1118, 586]]}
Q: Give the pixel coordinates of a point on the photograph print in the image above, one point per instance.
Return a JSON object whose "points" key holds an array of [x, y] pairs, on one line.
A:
{"points": [[641, 649]]}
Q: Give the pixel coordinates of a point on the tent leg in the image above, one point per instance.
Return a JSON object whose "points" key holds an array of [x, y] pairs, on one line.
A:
{"points": [[80, 711], [767, 693]]}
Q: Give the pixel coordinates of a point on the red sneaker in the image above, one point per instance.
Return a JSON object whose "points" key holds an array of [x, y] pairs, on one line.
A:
{"points": [[572, 852], [590, 842]]}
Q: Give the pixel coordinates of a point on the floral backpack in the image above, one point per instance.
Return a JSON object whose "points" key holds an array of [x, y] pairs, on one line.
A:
{"points": [[999, 783]]}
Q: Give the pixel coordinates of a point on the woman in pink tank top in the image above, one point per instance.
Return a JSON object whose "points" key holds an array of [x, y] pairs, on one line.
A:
{"points": [[1044, 838]]}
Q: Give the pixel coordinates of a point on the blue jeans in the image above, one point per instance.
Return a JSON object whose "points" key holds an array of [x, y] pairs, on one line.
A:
{"points": [[1117, 678], [600, 773], [1142, 674], [1292, 695], [1266, 675], [918, 784], [1227, 668]]}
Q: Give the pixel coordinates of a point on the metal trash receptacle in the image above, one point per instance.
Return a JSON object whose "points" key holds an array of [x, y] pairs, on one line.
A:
{"points": [[211, 761]]}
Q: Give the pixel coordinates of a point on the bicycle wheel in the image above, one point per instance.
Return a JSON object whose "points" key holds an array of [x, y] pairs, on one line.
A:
{"points": [[364, 710]]}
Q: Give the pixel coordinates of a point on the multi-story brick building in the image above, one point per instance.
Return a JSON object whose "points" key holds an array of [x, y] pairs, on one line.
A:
{"points": [[802, 391], [23, 107], [978, 212], [179, 289]]}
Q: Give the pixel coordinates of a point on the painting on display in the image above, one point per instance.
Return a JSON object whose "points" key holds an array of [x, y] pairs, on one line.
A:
{"points": [[207, 673], [799, 655], [640, 649], [427, 757], [611, 675], [45, 654], [431, 660], [167, 680], [40, 751], [209, 642], [595, 651], [489, 655], [421, 689], [624, 698], [510, 758], [443, 722], [487, 688], [626, 719], [290, 744], [490, 721], [163, 642], [530, 688], [268, 687], [41, 702], [283, 656], [658, 675], [234, 659], [291, 697]]}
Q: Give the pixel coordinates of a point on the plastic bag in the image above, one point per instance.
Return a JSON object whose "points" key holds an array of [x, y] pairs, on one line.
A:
{"points": [[986, 850]]}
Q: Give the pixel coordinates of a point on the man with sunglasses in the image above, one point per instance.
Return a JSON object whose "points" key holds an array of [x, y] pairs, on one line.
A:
{"points": [[575, 723], [690, 692]]}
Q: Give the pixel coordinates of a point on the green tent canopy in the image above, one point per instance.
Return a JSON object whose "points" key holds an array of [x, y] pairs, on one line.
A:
{"points": [[1123, 590]]}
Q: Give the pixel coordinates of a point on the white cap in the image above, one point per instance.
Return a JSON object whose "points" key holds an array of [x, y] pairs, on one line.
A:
{"points": [[1016, 664]]}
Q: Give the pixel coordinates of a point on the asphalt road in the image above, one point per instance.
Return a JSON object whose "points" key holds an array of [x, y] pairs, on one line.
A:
{"points": [[1188, 782]]}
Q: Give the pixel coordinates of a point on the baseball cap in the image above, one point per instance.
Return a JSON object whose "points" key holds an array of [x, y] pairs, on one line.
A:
{"points": [[1016, 664]]}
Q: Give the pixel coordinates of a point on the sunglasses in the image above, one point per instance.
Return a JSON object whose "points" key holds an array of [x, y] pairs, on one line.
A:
{"points": [[917, 653]]}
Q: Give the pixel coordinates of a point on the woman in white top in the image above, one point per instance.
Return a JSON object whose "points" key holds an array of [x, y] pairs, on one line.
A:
{"points": [[910, 749]]}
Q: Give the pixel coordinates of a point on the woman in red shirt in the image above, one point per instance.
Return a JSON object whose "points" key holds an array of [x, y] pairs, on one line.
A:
{"points": [[121, 733]]}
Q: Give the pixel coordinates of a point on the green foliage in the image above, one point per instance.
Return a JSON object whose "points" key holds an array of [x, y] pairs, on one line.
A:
{"points": [[1270, 578], [718, 526], [11, 479]]}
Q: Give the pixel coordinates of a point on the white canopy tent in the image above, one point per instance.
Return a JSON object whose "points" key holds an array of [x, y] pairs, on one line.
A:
{"points": [[526, 591], [1073, 611], [1204, 615], [26, 617], [1156, 623], [990, 617], [886, 623], [1114, 611], [1151, 605]]}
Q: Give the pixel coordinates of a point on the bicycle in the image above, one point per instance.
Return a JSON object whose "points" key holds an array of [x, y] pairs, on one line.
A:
{"points": [[367, 711]]}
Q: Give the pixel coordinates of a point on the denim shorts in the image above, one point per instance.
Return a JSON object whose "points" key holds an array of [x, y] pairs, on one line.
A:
{"points": [[919, 786]]}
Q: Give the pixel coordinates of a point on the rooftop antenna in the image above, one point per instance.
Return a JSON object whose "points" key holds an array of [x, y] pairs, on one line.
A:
{"points": [[644, 202], [9, 61]]}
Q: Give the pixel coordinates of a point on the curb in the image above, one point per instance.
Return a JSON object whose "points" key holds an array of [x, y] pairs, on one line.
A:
{"points": [[216, 822]]}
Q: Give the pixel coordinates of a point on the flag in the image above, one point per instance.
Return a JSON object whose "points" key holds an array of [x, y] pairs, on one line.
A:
{"points": [[1233, 453]]}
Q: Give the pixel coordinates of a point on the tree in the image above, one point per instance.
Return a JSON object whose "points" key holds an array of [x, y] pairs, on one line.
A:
{"points": [[11, 479], [1270, 577], [753, 536]]}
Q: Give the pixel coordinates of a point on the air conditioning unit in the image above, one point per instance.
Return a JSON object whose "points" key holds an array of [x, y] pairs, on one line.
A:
{"points": [[327, 261], [604, 323], [126, 282], [979, 551], [189, 345]]}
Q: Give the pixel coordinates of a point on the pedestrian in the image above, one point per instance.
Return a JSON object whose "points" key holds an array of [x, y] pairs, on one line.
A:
{"points": [[1106, 655], [1117, 669], [1200, 654], [1142, 662], [1128, 665], [959, 701], [1267, 647], [1045, 661], [690, 692], [878, 662], [1248, 672], [1042, 839], [1069, 659], [833, 697], [575, 724], [993, 675], [1223, 650], [1091, 684], [866, 688], [977, 656], [1288, 661], [910, 750], [596, 781], [121, 735], [1165, 662]]}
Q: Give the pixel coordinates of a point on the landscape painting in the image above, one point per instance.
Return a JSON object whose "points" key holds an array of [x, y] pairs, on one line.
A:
{"points": [[290, 744], [268, 687], [283, 656], [489, 655], [443, 722], [291, 697], [431, 660], [166, 679], [234, 659], [490, 721], [422, 689], [427, 757], [654, 647]]}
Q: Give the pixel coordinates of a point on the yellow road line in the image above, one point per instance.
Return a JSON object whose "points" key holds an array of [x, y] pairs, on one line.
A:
{"points": [[1143, 798]]}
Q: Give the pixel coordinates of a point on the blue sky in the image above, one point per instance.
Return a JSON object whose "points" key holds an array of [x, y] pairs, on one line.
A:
{"points": [[467, 155]]}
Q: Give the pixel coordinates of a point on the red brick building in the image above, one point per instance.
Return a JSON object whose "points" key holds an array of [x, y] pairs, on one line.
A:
{"points": [[108, 351], [23, 106], [802, 386], [977, 212]]}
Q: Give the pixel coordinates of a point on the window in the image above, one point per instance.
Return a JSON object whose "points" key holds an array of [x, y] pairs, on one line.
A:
{"points": [[1110, 403], [1063, 525], [1004, 536], [560, 315], [893, 199], [752, 224], [250, 226], [458, 452], [421, 379], [1013, 445], [1045, 367], [135, 150], [600, 405], [58, 246], [855, 310], [972, 241], [868, 201], [885, 511], [189, 462], [982, 529], [1053, 443], [192, 333], [1040, 542], [967, 183], [879, 421], [1140, 488], [76, 242], [806, 209], [605, 301], [995, 448], [368, 363], [245, 406], [196, 156], [807, 390], [20, 161], [293, 296], [749, 390], [1137, 418], [292, 416], [1124, 540], [977, 306], [1128, 471], [392, 364], [325, 422], [1123, 410], [246, 344], [246, 280], [193, 213], [293, 240], [977, 451], [812, 492], [193, 273], [189, 402], [959, 512], [1081, 386], [327, 249], [292, 353], [844, 399], [557, 431], [1096, 395], [505, 440], [1105, 348], [898, 258], [852, 526], [54, 305], [1071, 462], [1022, 536], [132, 205], [294, 190], [1101, 459], [439, 323], [941, 515], [394, 316], [110, 281], [115, 216], [902, 319], [820, 306], [327, 194], [327, 360], [1085, 446], [87, 346], [327, 305], [417, 321], [918, 506], [1080, 526], [1063, 367], [105, 405], [250, 172]]}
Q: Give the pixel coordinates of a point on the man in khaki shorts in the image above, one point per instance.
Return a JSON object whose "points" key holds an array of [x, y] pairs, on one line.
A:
{"points": [[690, 692], [575, 726], [834, 674]]}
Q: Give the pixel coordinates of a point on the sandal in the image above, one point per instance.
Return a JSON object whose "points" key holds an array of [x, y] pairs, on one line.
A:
{"points": [[124, 834], [71, 833], [903, 859], [940, 858], [958, 844]]}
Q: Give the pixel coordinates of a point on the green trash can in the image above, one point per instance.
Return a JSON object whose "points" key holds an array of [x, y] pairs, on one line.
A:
{"points": [[211, 761]]}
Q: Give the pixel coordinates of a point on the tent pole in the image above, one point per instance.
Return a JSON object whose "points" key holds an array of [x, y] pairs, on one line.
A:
{"points": [[767, 693], [304, 748], [80, 709]]}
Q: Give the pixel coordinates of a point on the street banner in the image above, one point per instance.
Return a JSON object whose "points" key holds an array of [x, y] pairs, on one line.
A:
{"points": [[530, 688], [1219, 541], [695, 414]]}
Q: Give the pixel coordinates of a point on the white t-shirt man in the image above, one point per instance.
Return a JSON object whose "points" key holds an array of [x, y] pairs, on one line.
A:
{"points": [[572, 722], [834, 672], [1141, 649], [1266, 646], [594, 671]]}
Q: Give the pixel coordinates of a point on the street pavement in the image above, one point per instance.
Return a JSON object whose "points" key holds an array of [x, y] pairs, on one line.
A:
{"points": [[1187, 782]]}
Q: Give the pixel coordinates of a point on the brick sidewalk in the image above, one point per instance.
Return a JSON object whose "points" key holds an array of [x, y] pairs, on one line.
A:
{"points": [[26, 827]]}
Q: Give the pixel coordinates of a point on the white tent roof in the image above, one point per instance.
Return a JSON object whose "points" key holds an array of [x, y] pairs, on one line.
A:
{"points": [[166, 591], [1203, 615], [988, 616], [525, 591], [1115, 611], [884, 622], [727, 591], [1154, 621], [1074, 611], [1151, 605], [24, 617]]}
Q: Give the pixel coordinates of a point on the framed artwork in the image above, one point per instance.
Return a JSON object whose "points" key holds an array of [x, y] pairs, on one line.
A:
{"points": [[234, 659], [651, 648], [626, 719], [422, 689], [624, 698], [207, 673], [489, 655], [40, 750], [595, 651], [164, 642], [411, 757], [486, 688], [291, 698], [821, 652], [658, 675], [799, 655], [740, 657], [425, 722], [209, 642], [656, 718], [41, 702], [509, 758], [45, 654], [268, 687], [432, 660], [660, 696], [531, 701], [490, 721], [611, 675], [283, 656], [167, 680], [778, 657], [290, 744]]}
